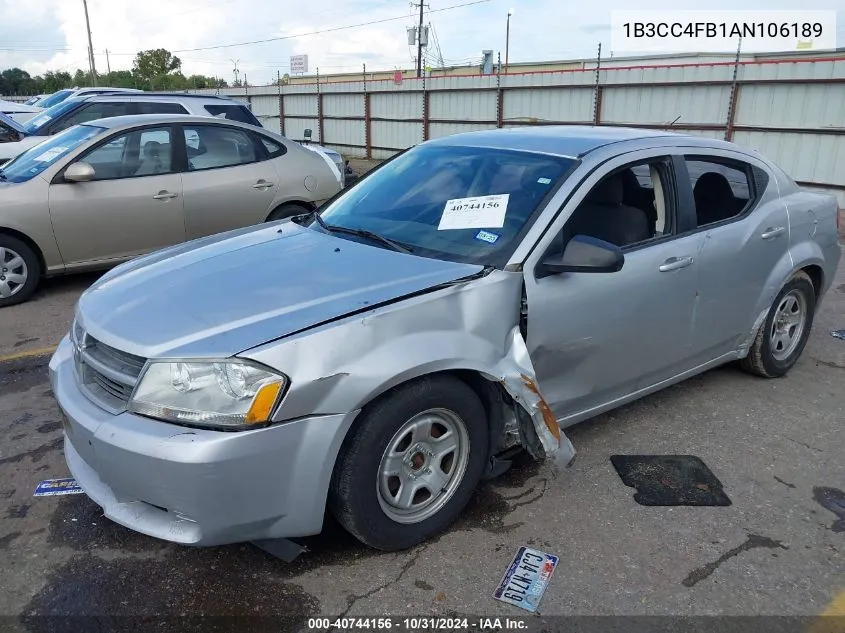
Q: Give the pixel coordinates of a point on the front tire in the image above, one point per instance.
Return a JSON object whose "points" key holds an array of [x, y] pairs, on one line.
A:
{"points": [[411, 464], [20, 271], [785, 332]]}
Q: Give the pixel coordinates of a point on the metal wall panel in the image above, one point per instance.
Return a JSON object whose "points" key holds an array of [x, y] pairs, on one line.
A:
{"points": [[792, 105], [382, 154], [437, 130], [272, 124], [566, 104], [467, 106], [791, 70], [396, 106], [343, 105], [807, 157], [265, 105], [301, 105], [660, 74], [344, 132], [460, 83], [654, 104], [396, 135], [295, 129], [563, 78]]}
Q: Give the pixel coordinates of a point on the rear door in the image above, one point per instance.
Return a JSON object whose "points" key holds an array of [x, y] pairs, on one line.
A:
{"points": [[229, 181], [745, 230], [133, 205]]}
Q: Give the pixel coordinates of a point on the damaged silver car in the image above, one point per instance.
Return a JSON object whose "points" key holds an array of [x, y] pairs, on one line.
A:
{"points": [[471, 297]]}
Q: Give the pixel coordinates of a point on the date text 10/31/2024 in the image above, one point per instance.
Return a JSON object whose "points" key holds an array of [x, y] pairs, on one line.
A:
{"points": [[417, 624]]}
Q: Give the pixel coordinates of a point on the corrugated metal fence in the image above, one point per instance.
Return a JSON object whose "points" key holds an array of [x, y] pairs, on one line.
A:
{"points": [[793, 111]]}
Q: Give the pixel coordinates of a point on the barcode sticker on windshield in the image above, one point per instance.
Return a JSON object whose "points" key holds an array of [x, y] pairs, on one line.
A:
{"points": [[480, 212], [50, 154]]}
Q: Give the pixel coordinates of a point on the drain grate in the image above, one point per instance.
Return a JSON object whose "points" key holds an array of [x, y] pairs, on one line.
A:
{"points": [[670, 480]]}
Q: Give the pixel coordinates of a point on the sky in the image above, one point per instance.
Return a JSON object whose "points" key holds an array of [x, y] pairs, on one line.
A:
{"points": [[42, 35]]}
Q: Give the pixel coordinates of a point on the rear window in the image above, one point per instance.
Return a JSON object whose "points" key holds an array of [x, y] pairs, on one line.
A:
{"points": [[233, 113]]}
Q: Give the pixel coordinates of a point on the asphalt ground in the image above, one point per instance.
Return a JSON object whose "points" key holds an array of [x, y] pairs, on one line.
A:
{"points": [[777, 446]]}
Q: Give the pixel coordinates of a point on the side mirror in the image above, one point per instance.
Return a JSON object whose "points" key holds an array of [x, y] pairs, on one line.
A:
{"points": [[583, 254], [79, 172]]}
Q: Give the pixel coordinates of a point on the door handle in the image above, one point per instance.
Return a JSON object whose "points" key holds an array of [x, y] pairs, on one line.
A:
{"points": [[772, 232], [164, 195], [262, 184], [675, 263]]}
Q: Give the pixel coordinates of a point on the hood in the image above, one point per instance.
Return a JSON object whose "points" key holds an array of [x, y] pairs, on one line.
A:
{"points": [[10, 122], [11, 106], [221, 295]]}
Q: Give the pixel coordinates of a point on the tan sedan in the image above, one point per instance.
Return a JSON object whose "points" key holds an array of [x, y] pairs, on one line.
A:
{"points": [[101, 193]]}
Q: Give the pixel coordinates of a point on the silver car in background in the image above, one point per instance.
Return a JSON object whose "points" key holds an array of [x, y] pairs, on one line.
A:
{"points": [[100, 193], [476, 294]]}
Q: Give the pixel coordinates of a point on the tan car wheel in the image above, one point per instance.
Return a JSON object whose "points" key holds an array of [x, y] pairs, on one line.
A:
{"points": [[20, 271]]}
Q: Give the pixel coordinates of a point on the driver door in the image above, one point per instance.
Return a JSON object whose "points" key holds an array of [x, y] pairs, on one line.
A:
{"points": [[595, 338], [132, 206]]}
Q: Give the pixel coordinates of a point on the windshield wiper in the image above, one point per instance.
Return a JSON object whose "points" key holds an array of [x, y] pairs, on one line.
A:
{"points": [[396, 246], [332, 228]]}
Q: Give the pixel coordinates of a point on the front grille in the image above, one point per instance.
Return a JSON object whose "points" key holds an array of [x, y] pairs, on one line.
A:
{"points": [[107, 375]]}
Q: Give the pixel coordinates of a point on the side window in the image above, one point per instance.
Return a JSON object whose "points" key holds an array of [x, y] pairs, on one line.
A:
{"points": [[158, 107], [629, 206], [273, 148], [214, 146], [144, 152], [721, 190], [91, 112], [233, 113]]}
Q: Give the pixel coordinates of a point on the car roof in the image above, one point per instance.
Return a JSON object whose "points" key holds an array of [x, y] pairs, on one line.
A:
{"points": [[154, 96], [130, 120], [573, 141]]}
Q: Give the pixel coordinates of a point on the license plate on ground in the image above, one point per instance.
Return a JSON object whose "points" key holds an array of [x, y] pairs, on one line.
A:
{"points": [[526, 579]]}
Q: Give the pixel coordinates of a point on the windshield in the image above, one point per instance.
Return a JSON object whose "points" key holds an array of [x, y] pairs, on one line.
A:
{"points": [[57, 97], [36, 126], [36, 159], [464, 204]]}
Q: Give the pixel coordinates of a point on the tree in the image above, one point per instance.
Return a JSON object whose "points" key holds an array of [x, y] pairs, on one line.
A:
{"points": [[14, 81], [151, 65]]}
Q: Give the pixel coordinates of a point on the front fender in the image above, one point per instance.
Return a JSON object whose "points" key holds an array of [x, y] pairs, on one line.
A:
{"points": [[472, 325]]}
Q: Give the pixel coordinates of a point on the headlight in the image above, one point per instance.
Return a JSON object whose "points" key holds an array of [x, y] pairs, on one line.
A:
{"points": [[226, 394]]}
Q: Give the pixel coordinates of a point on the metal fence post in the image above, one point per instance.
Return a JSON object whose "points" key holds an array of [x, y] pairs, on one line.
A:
{"points": [[425, 108], [734, 97], [320, 110], [368, 131], [500, 95], [597, 94]]}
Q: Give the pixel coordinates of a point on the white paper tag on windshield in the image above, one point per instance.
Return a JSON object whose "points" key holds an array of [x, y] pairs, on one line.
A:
{"points": [[38, 122], [50, 154], [480, 212]]}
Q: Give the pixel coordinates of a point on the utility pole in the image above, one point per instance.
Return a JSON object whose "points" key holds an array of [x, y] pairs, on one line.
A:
{"points": [[420, 40], [93, 68], [108, 65]]}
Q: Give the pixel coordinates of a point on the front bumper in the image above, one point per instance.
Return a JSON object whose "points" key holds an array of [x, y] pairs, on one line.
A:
{"points": [[196, 486]]}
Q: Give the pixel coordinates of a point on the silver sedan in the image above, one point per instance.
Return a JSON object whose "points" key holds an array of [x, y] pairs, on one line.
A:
{"points": [[474, 296], [100, 193]]}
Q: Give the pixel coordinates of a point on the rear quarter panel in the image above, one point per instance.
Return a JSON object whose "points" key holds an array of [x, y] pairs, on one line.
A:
{"points": [[303, 176], [813, 237]]}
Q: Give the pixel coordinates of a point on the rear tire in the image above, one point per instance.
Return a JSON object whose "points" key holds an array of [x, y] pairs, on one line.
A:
{"points": [[785, 332], [396, 483], [286, 211], [20, 271]]}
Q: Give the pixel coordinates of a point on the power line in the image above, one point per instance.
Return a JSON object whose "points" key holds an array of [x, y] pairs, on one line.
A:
{"points": [[320, 32]]}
